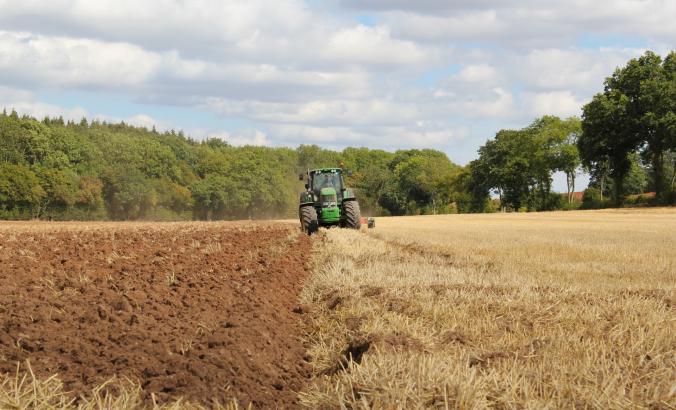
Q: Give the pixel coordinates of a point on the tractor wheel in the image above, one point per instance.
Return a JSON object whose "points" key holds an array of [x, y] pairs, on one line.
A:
{"points": [[352, 214], [308, 219]]}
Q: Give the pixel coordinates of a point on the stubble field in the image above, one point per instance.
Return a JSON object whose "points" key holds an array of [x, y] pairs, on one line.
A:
{"points": [[551, 310]]}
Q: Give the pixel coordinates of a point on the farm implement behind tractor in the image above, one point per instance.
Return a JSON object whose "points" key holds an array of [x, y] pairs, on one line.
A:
{"points": [[327, 202]]}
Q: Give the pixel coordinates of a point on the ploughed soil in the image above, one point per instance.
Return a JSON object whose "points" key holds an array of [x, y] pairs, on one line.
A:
{"points": [[202, 311]]}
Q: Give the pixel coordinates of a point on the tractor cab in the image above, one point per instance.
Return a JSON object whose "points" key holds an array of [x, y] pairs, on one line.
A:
{"points": [[326, 178]]}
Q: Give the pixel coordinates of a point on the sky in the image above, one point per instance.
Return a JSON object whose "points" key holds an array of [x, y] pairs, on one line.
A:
{"points": [[396, 74]]}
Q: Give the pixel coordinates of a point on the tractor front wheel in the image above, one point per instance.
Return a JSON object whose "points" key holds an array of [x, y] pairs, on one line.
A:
{"points": [[352, 214], [308, 219]]}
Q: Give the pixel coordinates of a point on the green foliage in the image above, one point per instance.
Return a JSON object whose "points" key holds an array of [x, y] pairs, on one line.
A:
{"points": [[20, 191], [128, 193], [57, 170], [517, 165], [635, 181], [61, 189], [210, 196], [370, 177], [424, 180], [312, 157], [592, 199], [635, 113]]}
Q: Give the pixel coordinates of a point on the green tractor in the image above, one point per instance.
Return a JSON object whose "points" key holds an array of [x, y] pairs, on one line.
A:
{"points": [[327, 202]]}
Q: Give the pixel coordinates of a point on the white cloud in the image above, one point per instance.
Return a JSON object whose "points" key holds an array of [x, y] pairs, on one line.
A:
{"points": [[26, 103], [62, 61], [459, 26], [479, 73], [141, 120], [373, 45], [500, 103], [10, 94], [560, 103], [520, 23], [419, 6], [320, 112], [241, 137], [476, 91], [570, 68], [165, 24], [301, 71], [385, 137]]}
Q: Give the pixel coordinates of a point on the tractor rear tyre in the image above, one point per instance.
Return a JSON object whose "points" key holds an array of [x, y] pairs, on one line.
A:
{"points": [[308, 219], [352, 214]]}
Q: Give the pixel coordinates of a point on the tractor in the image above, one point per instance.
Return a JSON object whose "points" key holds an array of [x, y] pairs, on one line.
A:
{"points": [[327, 202]]}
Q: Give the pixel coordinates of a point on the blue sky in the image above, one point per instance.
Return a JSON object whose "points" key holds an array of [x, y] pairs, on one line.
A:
{"points": [[381, 74]]}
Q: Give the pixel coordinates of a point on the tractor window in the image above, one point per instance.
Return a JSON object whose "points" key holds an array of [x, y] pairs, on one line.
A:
{"points": [[326, 180]]}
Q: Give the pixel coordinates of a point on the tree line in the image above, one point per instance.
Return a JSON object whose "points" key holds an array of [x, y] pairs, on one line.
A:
{"points": [[53, 169], [626, 142]]}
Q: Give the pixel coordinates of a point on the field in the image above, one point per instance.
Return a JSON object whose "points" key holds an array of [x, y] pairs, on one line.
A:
{"points": [[196, 311], [549, 310]]}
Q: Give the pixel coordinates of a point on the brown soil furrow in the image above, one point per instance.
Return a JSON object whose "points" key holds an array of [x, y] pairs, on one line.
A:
{"points": [[200, 311]]}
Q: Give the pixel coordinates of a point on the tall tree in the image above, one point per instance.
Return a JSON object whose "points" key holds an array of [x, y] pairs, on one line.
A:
{"points": [[518, 164], [20, 191], [635, 112]]}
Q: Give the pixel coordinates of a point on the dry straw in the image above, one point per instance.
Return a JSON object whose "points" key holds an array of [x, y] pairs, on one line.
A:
{"points": [[552, 310]]}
